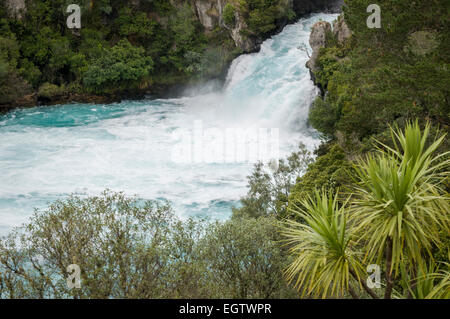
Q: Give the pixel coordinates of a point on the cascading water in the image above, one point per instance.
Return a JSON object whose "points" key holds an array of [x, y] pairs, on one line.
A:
{"points": [[47, 153]]}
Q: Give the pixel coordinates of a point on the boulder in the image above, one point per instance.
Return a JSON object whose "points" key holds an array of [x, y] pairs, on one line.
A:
{"points": [[341, 31], [15, 8], [317, 40], [209, 12]]}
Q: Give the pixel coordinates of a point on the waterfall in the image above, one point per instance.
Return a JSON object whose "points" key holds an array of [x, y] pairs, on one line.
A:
{"points": [[47, 153]]}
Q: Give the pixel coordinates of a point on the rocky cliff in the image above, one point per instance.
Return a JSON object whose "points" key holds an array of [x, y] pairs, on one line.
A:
{"points": [[167, 32], [318, 39], [210, 15], [15, 7]]}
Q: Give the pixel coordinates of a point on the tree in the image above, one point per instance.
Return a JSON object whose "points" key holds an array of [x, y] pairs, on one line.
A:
{"points": [[229, 12], [245, 260], [118, 246], [124, 66], [127, 248], [270, 185], [396, 214], [324, 246], [400, 205]]}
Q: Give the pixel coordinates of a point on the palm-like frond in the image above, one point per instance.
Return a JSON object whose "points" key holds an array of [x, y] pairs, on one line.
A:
{"points": [[399, 197], [431, 282], [442, 289], [323, 247]]}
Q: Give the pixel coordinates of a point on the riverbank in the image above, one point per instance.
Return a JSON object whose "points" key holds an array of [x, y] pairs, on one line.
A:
{"points": [[134, 146], [91, 66]]}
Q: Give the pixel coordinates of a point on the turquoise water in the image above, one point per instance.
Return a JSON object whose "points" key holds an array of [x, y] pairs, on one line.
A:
{"points": [[47, 153]]}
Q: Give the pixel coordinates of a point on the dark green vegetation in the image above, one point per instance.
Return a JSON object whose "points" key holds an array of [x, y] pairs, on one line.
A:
{"points": [[124, 47], [375, 80], [261, 15], [385, 76], [127, 249], [394, 217], [120, 47], [360, 202]]}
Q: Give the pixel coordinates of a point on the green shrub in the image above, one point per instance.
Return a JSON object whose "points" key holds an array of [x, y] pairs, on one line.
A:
{"points": [[229, 12], [127, 248], [323, 117], [246, 260], [329, 172], [135, 24], [50, 91], [270, 185], [122, 67]]}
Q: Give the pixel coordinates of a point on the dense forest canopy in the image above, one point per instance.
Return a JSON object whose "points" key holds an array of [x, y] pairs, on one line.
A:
{"points": [[171, 43]]}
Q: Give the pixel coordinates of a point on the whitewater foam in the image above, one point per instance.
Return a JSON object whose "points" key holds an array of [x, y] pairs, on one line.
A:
{"points": [[47, 153]]}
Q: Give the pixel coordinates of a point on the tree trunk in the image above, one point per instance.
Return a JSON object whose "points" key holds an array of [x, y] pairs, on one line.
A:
{"points": [[413, 281], [352, 292], [364, 285], [389, 279]]}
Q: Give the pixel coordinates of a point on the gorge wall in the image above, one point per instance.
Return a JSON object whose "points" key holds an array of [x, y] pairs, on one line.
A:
{"points": [[211, 15], [176, 43]]}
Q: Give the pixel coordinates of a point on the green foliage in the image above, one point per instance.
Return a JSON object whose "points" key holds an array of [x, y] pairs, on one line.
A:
{"points": [[127, 248], [387, 75], [246, 260], [136, 25], [30, 72], [330, 172], [323, 116], [9, 51], [399, 202], [324, 247], [123, 66], [270, 185], [50, 91], [262, 15], [229, 12], [394, 216]]}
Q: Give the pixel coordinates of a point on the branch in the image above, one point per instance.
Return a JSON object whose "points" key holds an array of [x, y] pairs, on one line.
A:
{"points": [[389, 280], [364, 285], [303, 48]]}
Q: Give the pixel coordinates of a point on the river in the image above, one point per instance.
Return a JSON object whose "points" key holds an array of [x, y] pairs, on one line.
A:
{"points": [[149, 148]]}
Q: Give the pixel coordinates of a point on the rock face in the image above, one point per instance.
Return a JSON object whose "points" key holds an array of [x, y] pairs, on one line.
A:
{"points": [[209, 12], [15, 8], [246, 43], [317, 40], [210, 15], [341, 31]]}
